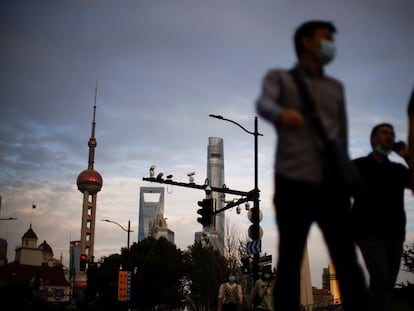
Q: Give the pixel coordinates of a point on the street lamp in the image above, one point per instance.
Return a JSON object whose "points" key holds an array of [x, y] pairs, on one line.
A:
{"points": [[126, 230], [256, 192]]}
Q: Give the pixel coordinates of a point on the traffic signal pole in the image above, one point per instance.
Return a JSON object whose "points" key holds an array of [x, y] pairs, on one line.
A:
{"points": [[256, 207], [253, 195], [246, 195]]}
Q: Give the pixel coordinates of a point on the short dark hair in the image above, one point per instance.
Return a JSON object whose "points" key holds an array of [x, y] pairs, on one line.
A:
{"points": [[378, 126], [307, 29]]}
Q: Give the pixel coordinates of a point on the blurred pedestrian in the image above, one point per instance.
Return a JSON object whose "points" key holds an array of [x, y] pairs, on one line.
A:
{"points": [[261, 296], [304, 194], [379, 215], [230, 294]]}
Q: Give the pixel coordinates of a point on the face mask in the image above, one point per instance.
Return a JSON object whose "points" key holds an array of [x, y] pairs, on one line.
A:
{"points": [[232, 278], [326, 52], [383, 151]]}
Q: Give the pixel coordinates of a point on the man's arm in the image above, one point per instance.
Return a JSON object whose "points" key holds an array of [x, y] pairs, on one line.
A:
{"points": [[267, 105]]}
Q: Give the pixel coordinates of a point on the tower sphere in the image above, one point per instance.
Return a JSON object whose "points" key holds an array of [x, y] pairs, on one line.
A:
{"points": [[90, 181]]}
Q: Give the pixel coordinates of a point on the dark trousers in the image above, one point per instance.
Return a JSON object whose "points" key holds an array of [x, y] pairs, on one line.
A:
{"points": [[382, 258], [298, 205], [229, 307]]}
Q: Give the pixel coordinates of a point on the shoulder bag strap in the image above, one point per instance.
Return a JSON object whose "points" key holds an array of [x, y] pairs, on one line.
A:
{"points": [[309, 105], [261, 298]]}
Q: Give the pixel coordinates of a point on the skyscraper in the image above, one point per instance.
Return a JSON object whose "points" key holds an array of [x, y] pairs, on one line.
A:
{"points": [[89, 183], [215, 178], [151, 202]]}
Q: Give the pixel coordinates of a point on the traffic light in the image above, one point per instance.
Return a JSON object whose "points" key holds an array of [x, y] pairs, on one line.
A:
{"points": [[83, 261], [245, 265], [206, 212]]}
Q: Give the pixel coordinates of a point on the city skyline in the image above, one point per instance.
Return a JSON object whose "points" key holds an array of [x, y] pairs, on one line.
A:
{"points": [[162, 68]]}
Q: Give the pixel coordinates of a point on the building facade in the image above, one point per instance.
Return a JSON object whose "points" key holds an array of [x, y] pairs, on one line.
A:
{"points": [[35, 266], [215, 178], [152, 222]]}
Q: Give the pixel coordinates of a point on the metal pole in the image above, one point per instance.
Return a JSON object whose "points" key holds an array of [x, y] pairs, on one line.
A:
{"points": [[256, 207], [256, 192], [129, 231], [256, 165]]}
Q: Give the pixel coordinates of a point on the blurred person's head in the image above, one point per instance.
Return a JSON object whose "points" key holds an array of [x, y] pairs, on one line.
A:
{"points": [[232, 277], [314, 41], [382, 138]]}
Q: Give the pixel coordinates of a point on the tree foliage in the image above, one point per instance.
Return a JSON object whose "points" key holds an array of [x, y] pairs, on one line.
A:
{"points": [[206, 271], [404, 293], [163, 277], [408, 258], [160, 271], [231, 247], [103, 282]]}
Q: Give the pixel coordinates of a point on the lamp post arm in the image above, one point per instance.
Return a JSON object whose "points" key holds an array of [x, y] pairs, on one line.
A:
{"points": [[234, 122], [114, 222], [126, 230]]}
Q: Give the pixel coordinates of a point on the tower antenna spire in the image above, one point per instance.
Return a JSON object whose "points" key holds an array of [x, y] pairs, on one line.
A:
{"points": [[92, 141], [94, 111]]}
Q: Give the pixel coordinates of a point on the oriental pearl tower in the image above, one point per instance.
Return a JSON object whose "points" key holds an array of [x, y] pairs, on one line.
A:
{"points": [[89, 183]]}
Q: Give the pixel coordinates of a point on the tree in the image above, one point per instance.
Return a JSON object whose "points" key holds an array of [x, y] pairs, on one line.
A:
{"points": [[234, 247], [102, 283], [408, 258], [160, 271], [206, 271], [231, 247], [404, 293]]}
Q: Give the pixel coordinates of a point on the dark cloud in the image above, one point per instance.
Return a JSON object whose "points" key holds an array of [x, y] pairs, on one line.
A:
{"points": [[162, 68]]}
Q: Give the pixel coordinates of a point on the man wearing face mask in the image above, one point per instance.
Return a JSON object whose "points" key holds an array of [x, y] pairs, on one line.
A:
{"points": [[303, 191], [230, 294], [378, 213]]}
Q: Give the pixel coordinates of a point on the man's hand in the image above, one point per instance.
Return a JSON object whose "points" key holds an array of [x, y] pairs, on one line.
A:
{"points": [[291, 119], [404, 151]]}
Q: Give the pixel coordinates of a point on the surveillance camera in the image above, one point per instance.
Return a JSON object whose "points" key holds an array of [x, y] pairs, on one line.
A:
{"points": [[208, 190], [152, 171], [247, 206], [191, 177]]}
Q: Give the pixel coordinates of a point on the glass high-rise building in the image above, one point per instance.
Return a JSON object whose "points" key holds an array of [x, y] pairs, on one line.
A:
{"points": [[151, 203], [215, 178]]}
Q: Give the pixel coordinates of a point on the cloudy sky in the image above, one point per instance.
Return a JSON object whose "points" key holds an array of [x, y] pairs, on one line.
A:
{"points": [[162, 67]]}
